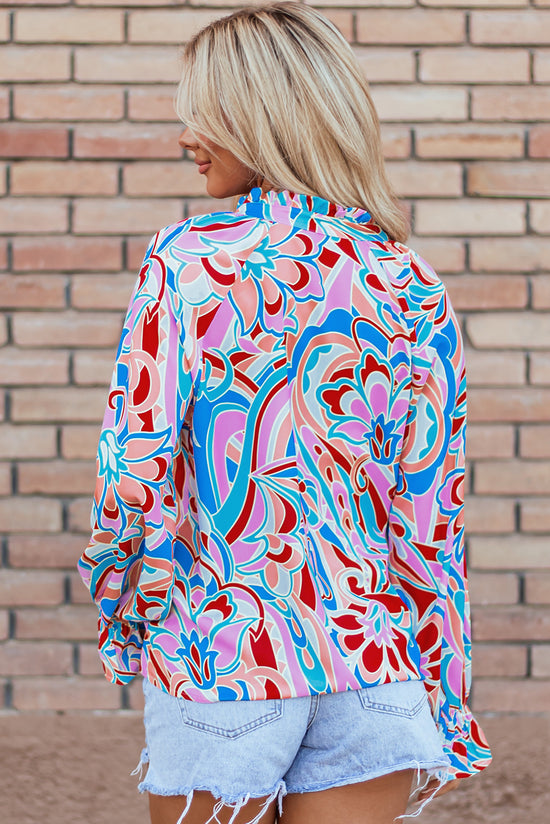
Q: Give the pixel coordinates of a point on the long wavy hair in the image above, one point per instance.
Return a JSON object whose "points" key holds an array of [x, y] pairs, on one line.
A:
{"points": [[280, 88]]}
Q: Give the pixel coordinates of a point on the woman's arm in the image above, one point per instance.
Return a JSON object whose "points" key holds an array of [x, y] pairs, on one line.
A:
{"points": [[426, 533], [127, 565]]}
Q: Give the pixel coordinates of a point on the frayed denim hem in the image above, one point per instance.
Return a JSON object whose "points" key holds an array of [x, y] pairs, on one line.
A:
{"points": [[237, 802]]}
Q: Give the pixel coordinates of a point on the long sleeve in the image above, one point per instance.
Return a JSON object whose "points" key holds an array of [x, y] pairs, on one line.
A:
{"points": [[128, 564], [426, 531]]}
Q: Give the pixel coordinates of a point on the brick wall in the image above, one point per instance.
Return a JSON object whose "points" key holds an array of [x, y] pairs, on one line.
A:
{"points": [[91, 168]]}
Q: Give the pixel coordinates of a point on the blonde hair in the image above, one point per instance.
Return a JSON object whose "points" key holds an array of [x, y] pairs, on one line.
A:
{"points": [[280, 88]]}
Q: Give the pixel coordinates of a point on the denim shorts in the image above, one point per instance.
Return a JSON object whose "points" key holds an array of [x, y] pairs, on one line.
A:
{"points": [[238, 750]]}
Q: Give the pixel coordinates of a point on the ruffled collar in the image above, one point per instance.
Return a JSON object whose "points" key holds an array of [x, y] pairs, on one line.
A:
{"points": [[273, 205]]}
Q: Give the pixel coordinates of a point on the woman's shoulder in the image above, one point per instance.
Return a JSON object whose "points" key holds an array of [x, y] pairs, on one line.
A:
{"points": [[205, 234]]}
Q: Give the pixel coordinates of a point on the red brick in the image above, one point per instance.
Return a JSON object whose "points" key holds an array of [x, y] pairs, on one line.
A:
{"points": [[67, 253], [43, 63], [495, 368], [79, 329], [540, 368], [534, 441], [4, 26], [49, 551], [387, 66], [79, 513], [204, 205], [79, 441], [27, 441], [511, 696], [419, 103], [32, 291], [38, 2], [539, 141], [499, 660], [511, 103], [491, 588], [152, 103], [135, 249], [469, 217], [499, 27], [3, 254], [467, 140], [541, 292], [63, 694], [56, 477], [88, 658], [5, 479], [30, 658], [537, 588], [464, 65], [508, 551], [33, 141], [479, 292], [102, 291], [396, 142], [443, 254], [490, 441], [38, 367], [127, 64], [136, 700], [22, 588], [65, 404], [540, 661], [413, 28], [513, 477], [154, 178], [535, 515], [69, 26], [4, 624], [3, 331], [139, 2], [525, 254], [3, 182], [175, 26], [30, 514], [4, 104], [541, 67], [128, 141], [31, 216], [65, 623], [518, 623], [540, 217], [79, 593], [509, 330], [424, 179], [68, 102], [102, 216], [67, 178], [475, 3], [509, 179], [94, 367], [486, 515]]}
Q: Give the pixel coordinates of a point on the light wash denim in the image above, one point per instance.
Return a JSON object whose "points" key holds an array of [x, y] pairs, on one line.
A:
{"points": [[239, 750]]}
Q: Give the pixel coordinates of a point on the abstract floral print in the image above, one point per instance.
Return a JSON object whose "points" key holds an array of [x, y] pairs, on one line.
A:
{"points": [[278, 509]]}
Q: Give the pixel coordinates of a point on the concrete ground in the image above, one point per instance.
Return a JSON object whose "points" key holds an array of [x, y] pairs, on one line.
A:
{"points": [[74, 769]]}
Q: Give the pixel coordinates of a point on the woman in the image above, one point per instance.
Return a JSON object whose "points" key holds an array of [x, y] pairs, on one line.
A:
{"points": [[278, 542]]}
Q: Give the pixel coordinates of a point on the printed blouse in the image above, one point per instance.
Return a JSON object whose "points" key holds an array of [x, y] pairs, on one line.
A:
{"points": [[279, 499]]}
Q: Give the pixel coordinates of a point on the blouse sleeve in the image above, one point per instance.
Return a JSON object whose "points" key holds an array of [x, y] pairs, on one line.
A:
{"points": [[128, 564], [426, 533]]}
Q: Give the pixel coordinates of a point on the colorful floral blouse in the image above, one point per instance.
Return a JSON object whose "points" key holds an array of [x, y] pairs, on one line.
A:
{"points": [[278, 509]]}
